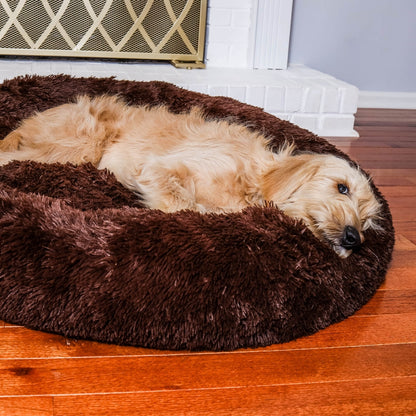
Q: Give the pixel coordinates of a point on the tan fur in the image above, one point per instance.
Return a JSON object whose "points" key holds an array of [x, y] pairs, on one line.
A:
{"points": [[182, 161]]}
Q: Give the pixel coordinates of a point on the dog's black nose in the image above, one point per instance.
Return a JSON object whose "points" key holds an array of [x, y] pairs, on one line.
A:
{"points": [[350, 238]]}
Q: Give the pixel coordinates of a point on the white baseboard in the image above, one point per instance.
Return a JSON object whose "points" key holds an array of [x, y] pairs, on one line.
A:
{"points": [[380, 99]]}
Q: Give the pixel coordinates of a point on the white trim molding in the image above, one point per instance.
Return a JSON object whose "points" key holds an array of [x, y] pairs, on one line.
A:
{"points": [[271, 33], [381, 99]]}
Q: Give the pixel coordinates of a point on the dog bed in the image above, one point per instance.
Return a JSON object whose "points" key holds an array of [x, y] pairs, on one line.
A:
{"points": [[80, 256]]}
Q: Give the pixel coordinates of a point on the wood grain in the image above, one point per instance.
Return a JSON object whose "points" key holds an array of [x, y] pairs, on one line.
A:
{"points": [[26, 406], [364, 397], [364, 365], [174, 372], [358, 330]]}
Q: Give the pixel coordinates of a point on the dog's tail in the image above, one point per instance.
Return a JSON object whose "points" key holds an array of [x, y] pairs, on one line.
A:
{"points": [[11, 142]]}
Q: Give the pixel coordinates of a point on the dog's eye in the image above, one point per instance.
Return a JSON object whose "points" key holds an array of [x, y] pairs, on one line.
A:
{"points": [[343, 189]]}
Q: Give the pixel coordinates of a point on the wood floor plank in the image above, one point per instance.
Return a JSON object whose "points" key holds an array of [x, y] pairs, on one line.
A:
{"points": [[385, 118], [392, 121], [376, 124], [382, 112], [388, 163], [397, 192], [385, 180], [403, 243], [383, 153], [387, 133], [408, 230], [8, 325], [26, 406], [401, 258], [382, 397], [400, 278], [373, 145], [397, 172], [398, 202], [396, 121], [358, 330], [403, 213], [386, 302], [38, 344], [173, 372]]}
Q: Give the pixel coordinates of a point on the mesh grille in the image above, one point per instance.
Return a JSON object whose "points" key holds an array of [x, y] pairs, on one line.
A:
{"points": [[140, 29], [75, 21]]}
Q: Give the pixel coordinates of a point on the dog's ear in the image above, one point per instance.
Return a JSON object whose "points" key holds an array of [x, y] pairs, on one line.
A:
{"points": [[287, 177]]}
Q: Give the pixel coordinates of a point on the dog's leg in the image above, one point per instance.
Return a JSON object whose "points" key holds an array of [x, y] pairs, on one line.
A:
{"points": [[14, 147], [9, 147], [11, 142], [168, 189], [19, 155]]}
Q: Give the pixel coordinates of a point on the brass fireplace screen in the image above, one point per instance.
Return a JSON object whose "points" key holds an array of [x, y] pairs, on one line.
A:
{"points": [[128, 29]]}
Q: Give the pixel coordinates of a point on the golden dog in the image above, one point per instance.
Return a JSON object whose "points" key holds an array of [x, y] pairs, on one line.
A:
{"points": [[183, 161]]}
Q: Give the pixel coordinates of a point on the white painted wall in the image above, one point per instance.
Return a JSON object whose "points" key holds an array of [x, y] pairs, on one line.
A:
{"points": [[369, 43]]}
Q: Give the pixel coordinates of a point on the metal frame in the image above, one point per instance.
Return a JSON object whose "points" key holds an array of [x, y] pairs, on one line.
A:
{"points": [[193, 58]]}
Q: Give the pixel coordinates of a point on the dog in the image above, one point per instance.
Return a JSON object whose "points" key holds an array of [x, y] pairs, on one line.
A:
{"points": [[185, 161]]}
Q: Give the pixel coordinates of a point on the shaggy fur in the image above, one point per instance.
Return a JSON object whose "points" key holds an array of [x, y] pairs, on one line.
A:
{"points": [[79, 257], [182, 161]]}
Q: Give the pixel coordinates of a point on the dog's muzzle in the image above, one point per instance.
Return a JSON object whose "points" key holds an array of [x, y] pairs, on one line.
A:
{"points": [[350, 238]]}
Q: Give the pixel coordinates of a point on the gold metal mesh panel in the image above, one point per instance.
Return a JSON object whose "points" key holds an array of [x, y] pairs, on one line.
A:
{"points": [[138, 29]]}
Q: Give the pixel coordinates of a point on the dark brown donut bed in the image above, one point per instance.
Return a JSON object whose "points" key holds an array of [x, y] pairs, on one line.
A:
{"points": [[80, 257]]}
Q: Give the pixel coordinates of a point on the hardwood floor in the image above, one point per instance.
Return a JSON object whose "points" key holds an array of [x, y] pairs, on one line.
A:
{"points": [[365, 365]]}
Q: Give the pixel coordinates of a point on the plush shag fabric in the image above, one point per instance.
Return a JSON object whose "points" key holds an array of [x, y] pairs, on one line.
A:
{"points": [[79, 256]]}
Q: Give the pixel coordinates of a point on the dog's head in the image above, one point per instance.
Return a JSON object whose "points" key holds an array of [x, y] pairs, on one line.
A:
{"points": [[333, 198]]}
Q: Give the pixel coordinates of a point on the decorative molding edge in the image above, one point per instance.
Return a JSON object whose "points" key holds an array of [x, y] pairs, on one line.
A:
{"points": [[271, 31], [381, 99], [351, 134]]}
